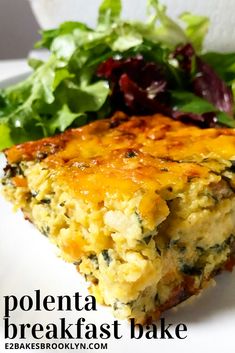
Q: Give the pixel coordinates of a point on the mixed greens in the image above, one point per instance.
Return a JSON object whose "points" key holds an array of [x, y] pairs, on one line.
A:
{"points": [[136, 67]]}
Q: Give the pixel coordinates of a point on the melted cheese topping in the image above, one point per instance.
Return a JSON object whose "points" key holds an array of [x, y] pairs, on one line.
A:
{"points": [[138, 152]]}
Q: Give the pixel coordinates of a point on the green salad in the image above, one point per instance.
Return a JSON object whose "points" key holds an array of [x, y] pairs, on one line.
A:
{"points": [[140, 68]]}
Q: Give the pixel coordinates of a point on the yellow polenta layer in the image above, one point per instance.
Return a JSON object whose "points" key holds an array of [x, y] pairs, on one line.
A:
{"points": [[133, 263], [144, 206]]}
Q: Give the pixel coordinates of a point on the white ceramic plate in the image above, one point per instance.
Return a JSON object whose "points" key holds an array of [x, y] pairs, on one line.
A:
{"points": [[29, 262]]}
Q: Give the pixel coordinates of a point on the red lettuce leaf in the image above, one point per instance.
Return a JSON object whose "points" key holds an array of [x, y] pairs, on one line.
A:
{"points": [[143, 87], [208, 85], [205, 82], [137, 86]]}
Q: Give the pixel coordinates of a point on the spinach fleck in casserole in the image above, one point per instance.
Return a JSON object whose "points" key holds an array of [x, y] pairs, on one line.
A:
{"points": [[143, 206]]}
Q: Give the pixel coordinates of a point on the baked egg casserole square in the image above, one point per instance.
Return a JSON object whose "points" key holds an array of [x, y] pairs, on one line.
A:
{"points": [[143, 206]]}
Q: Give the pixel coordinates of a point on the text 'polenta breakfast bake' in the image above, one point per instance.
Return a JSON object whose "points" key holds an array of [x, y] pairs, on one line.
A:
{"points": [[143, 206]]}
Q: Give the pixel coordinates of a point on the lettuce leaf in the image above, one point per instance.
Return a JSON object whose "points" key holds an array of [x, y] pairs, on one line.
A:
{"points": [[65, 91], [196, 29], [163, 28], [5, 140], [109, 12]]}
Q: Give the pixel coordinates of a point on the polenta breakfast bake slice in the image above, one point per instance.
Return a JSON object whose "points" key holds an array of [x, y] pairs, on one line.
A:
{"points": [[143, 206]]}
